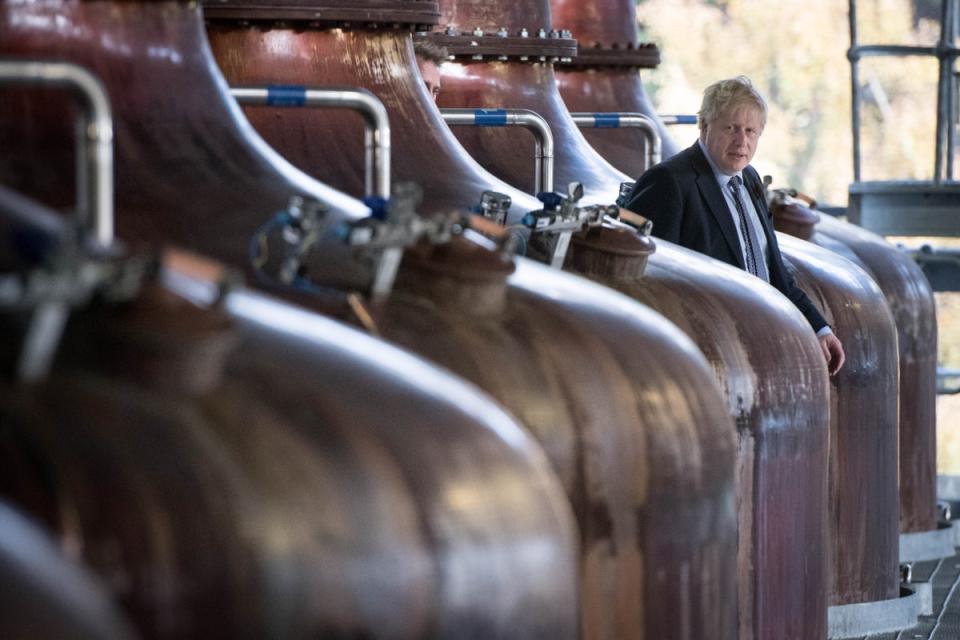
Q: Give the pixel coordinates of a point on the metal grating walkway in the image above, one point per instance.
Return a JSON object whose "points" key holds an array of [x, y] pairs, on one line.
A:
{"points": [[944, 624]]}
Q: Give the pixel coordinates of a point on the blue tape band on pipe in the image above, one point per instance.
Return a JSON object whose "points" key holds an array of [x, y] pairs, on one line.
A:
{"points": [[606, 120], [286, 95], [686, 119], [490, 117]]}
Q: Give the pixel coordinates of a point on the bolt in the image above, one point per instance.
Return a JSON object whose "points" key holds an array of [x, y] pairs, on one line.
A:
{"points": [[542, 33], [502, 58], [452, 31], [524, 33], [502, 32], [478, 57], [554, 33], [478, 31]]}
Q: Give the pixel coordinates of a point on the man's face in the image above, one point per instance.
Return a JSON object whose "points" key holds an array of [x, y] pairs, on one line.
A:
{"points": [[731, 140], [431, 77]]}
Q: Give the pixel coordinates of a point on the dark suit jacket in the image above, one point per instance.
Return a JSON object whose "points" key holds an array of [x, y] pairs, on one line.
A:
{"points": [[683, 199]]}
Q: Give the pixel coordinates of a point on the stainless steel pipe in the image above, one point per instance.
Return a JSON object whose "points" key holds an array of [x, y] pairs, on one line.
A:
{"points": [[376, 121], [530, 120], [622, 120], [94, 136]]}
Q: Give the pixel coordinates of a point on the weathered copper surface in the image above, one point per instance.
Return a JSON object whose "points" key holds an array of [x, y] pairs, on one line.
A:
{"points": [[629, 416], [863, 424], [313, 482], [911, 302], [772, 371], [43, 596], [637, 432], [189, 169], [610, 23], [329, 144]]}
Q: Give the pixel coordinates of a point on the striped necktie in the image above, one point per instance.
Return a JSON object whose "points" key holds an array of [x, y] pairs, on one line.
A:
{"points": [[756, 264]]}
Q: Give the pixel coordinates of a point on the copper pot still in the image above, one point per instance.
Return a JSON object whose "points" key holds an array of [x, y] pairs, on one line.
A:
{"points": [[911, 301]]}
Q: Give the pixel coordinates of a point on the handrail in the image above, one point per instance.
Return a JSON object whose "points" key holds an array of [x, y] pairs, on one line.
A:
{"points": [[530, 120], [376, 122], [94, 171], [621, 120]]}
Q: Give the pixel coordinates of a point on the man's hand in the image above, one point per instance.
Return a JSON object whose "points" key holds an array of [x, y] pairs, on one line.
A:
{"points": [[832, 352]]}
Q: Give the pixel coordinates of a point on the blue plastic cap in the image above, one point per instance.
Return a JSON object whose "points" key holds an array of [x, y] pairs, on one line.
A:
{"points": [[551, 201]]}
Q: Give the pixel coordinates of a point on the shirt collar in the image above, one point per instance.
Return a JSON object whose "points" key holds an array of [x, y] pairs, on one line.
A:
{"points": [[722, 178]]}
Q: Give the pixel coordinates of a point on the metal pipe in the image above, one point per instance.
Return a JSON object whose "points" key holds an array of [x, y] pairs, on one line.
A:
{"points": [[530, 120], [376, 121], [854, 58], [950, 29], [94, 172], [678, 119], [875, 50], [942, 97], [620, 120]]}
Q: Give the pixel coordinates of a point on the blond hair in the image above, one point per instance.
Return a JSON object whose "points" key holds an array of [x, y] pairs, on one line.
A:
{"points": [[725, 96]]}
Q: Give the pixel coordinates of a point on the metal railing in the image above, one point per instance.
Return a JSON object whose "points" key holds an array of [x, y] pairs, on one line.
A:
{"points": [[530, 120], [626, 120], [94, 128], [376, 129]]}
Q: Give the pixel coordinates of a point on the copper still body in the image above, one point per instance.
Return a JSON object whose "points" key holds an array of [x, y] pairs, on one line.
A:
{"points": [[189, 170], [378, 57], [911, 302], [606, 75], [221, 467], [863, 424], [769, 364], [44, 596]]}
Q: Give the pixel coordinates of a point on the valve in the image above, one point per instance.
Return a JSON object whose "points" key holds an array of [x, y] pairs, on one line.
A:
{"points": [[552, 227], [377, 240]]}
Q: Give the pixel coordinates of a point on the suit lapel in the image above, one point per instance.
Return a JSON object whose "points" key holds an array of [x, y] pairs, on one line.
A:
{"points": [[710, 191]]}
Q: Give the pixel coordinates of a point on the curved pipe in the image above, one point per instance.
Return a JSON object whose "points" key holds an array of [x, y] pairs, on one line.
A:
{"points": [[678, 119], [621, 120], [376, 139], [530, 120], [94, 136]]}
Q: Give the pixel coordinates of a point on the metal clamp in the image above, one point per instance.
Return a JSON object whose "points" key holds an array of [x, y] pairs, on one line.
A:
{"points": [[94, 172], [376, 121], [622, 120], [530, 120]]}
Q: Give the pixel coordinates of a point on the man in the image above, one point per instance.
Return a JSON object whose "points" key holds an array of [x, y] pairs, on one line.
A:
{"points": [[429, 58], [708, 198]]}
